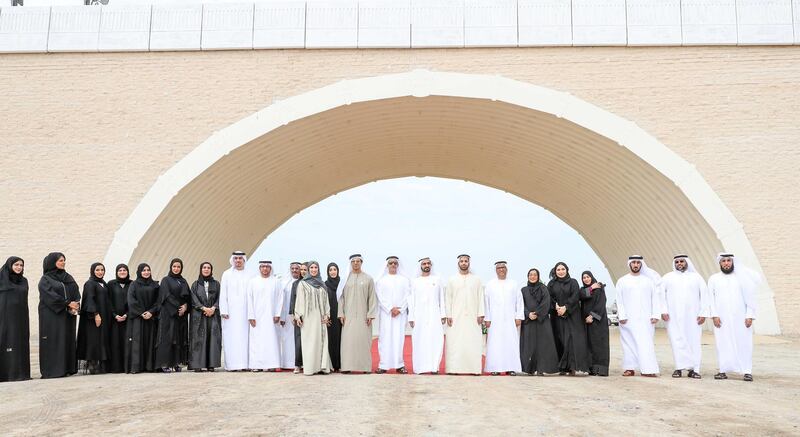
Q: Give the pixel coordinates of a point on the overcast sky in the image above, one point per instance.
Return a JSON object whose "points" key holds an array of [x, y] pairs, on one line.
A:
{"points": [[439, 218]]}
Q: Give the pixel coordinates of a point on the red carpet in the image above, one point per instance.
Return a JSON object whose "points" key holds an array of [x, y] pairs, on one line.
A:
{"points": [[406, 356]]}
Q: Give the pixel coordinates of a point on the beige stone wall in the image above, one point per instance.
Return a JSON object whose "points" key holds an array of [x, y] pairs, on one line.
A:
{"points": [[84, 135]]}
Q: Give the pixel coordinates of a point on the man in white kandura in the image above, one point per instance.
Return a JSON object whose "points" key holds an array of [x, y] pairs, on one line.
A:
{"points": [[233, 309], [264, 306], [392, 289], [732, 292], [426, 315], [504, 308], [464, 307], [286, 326], [684, 308], [638, 309]]}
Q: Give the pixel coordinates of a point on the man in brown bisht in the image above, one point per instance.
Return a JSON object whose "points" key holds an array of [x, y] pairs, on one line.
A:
{"points": [[357, 307]]}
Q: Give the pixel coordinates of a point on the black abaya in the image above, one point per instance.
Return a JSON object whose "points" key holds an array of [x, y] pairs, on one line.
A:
{"points": [[141, 347], [173, 330], [536, 343], [15, 349], [118, 300], [57, 289], [571, 331], [593, 302], [93, 340], [205, 333], [298, 348], [335, 330]]}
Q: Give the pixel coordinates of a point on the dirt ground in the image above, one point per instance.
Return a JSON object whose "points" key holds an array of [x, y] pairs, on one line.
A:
{"points": [[286, 404]]}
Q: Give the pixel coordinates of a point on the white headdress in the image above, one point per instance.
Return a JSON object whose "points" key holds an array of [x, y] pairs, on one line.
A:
{"points": [[343, 279], [235, 254], [689, 263], [419, 268], [748, 278], [400, 270], [647, 271]]}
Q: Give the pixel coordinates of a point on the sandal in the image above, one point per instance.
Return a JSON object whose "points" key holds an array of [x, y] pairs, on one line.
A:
{"points": [[677, 374], [748, 377], [628, 373], [381, 371], [721, 375], [402, 370], [694, 375]]}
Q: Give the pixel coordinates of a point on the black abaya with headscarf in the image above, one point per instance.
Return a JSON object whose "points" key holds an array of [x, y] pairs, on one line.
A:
{"points": [[57, 289], [205, 333], [298, 347], [335, 330], [593, 302], [140, 351], [173, 330], [15, 349], [118, 300], [93, 340], [574, 351], [536, 344]]}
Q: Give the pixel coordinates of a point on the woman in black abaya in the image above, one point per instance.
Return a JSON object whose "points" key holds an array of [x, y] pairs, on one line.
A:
{"points": [[59, 303], [593, 304], [118, 300], [335, 326], [536, 343], [566, 309], [172, 348], [95, 321], [140, 351], [15, 349], [206, 331]]}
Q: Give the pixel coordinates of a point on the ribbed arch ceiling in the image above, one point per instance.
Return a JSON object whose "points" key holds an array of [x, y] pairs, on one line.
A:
{"points": [[619, 203]]}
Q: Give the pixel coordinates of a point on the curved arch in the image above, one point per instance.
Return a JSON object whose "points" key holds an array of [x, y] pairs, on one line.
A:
{"points": [[536, 143]]}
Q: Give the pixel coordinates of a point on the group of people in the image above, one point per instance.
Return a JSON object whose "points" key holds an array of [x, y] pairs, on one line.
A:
{"points": [[317, 326]]}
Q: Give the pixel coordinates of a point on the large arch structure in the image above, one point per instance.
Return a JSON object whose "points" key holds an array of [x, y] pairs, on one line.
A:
{"points": [[622, 189]]}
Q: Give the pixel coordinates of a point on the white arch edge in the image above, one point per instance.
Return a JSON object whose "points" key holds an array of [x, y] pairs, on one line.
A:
{"points": [[422, 83]]}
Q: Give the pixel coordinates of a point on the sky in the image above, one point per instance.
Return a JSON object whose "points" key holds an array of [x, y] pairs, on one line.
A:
{"points": [[439, 218]]}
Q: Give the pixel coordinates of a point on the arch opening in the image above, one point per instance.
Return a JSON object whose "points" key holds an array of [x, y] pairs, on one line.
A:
{"points": [[620, 188]]}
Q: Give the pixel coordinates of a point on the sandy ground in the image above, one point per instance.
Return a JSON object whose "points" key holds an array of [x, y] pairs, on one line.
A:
{"points": [[286, 404]]}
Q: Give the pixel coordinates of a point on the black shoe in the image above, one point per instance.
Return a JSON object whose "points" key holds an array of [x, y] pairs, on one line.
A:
{"points": [[197, 370], [694, 375], [210, 369], [677, 374], [402, 370], [721, 375], [177, 369], [512, 373], [381, 371], [748, 377]]}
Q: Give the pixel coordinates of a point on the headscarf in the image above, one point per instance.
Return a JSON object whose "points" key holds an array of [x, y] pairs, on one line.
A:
{"points": [[7, 275], [538, 275], [400, 269], [689, 264], [174, 275], [554, 277], [748, 278], [209, 278], [587, 272], [646, 271], [315, 281], [50, 270], [333, 283], [419, 267], [93, 277], [139, 279], [126, 280]]}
